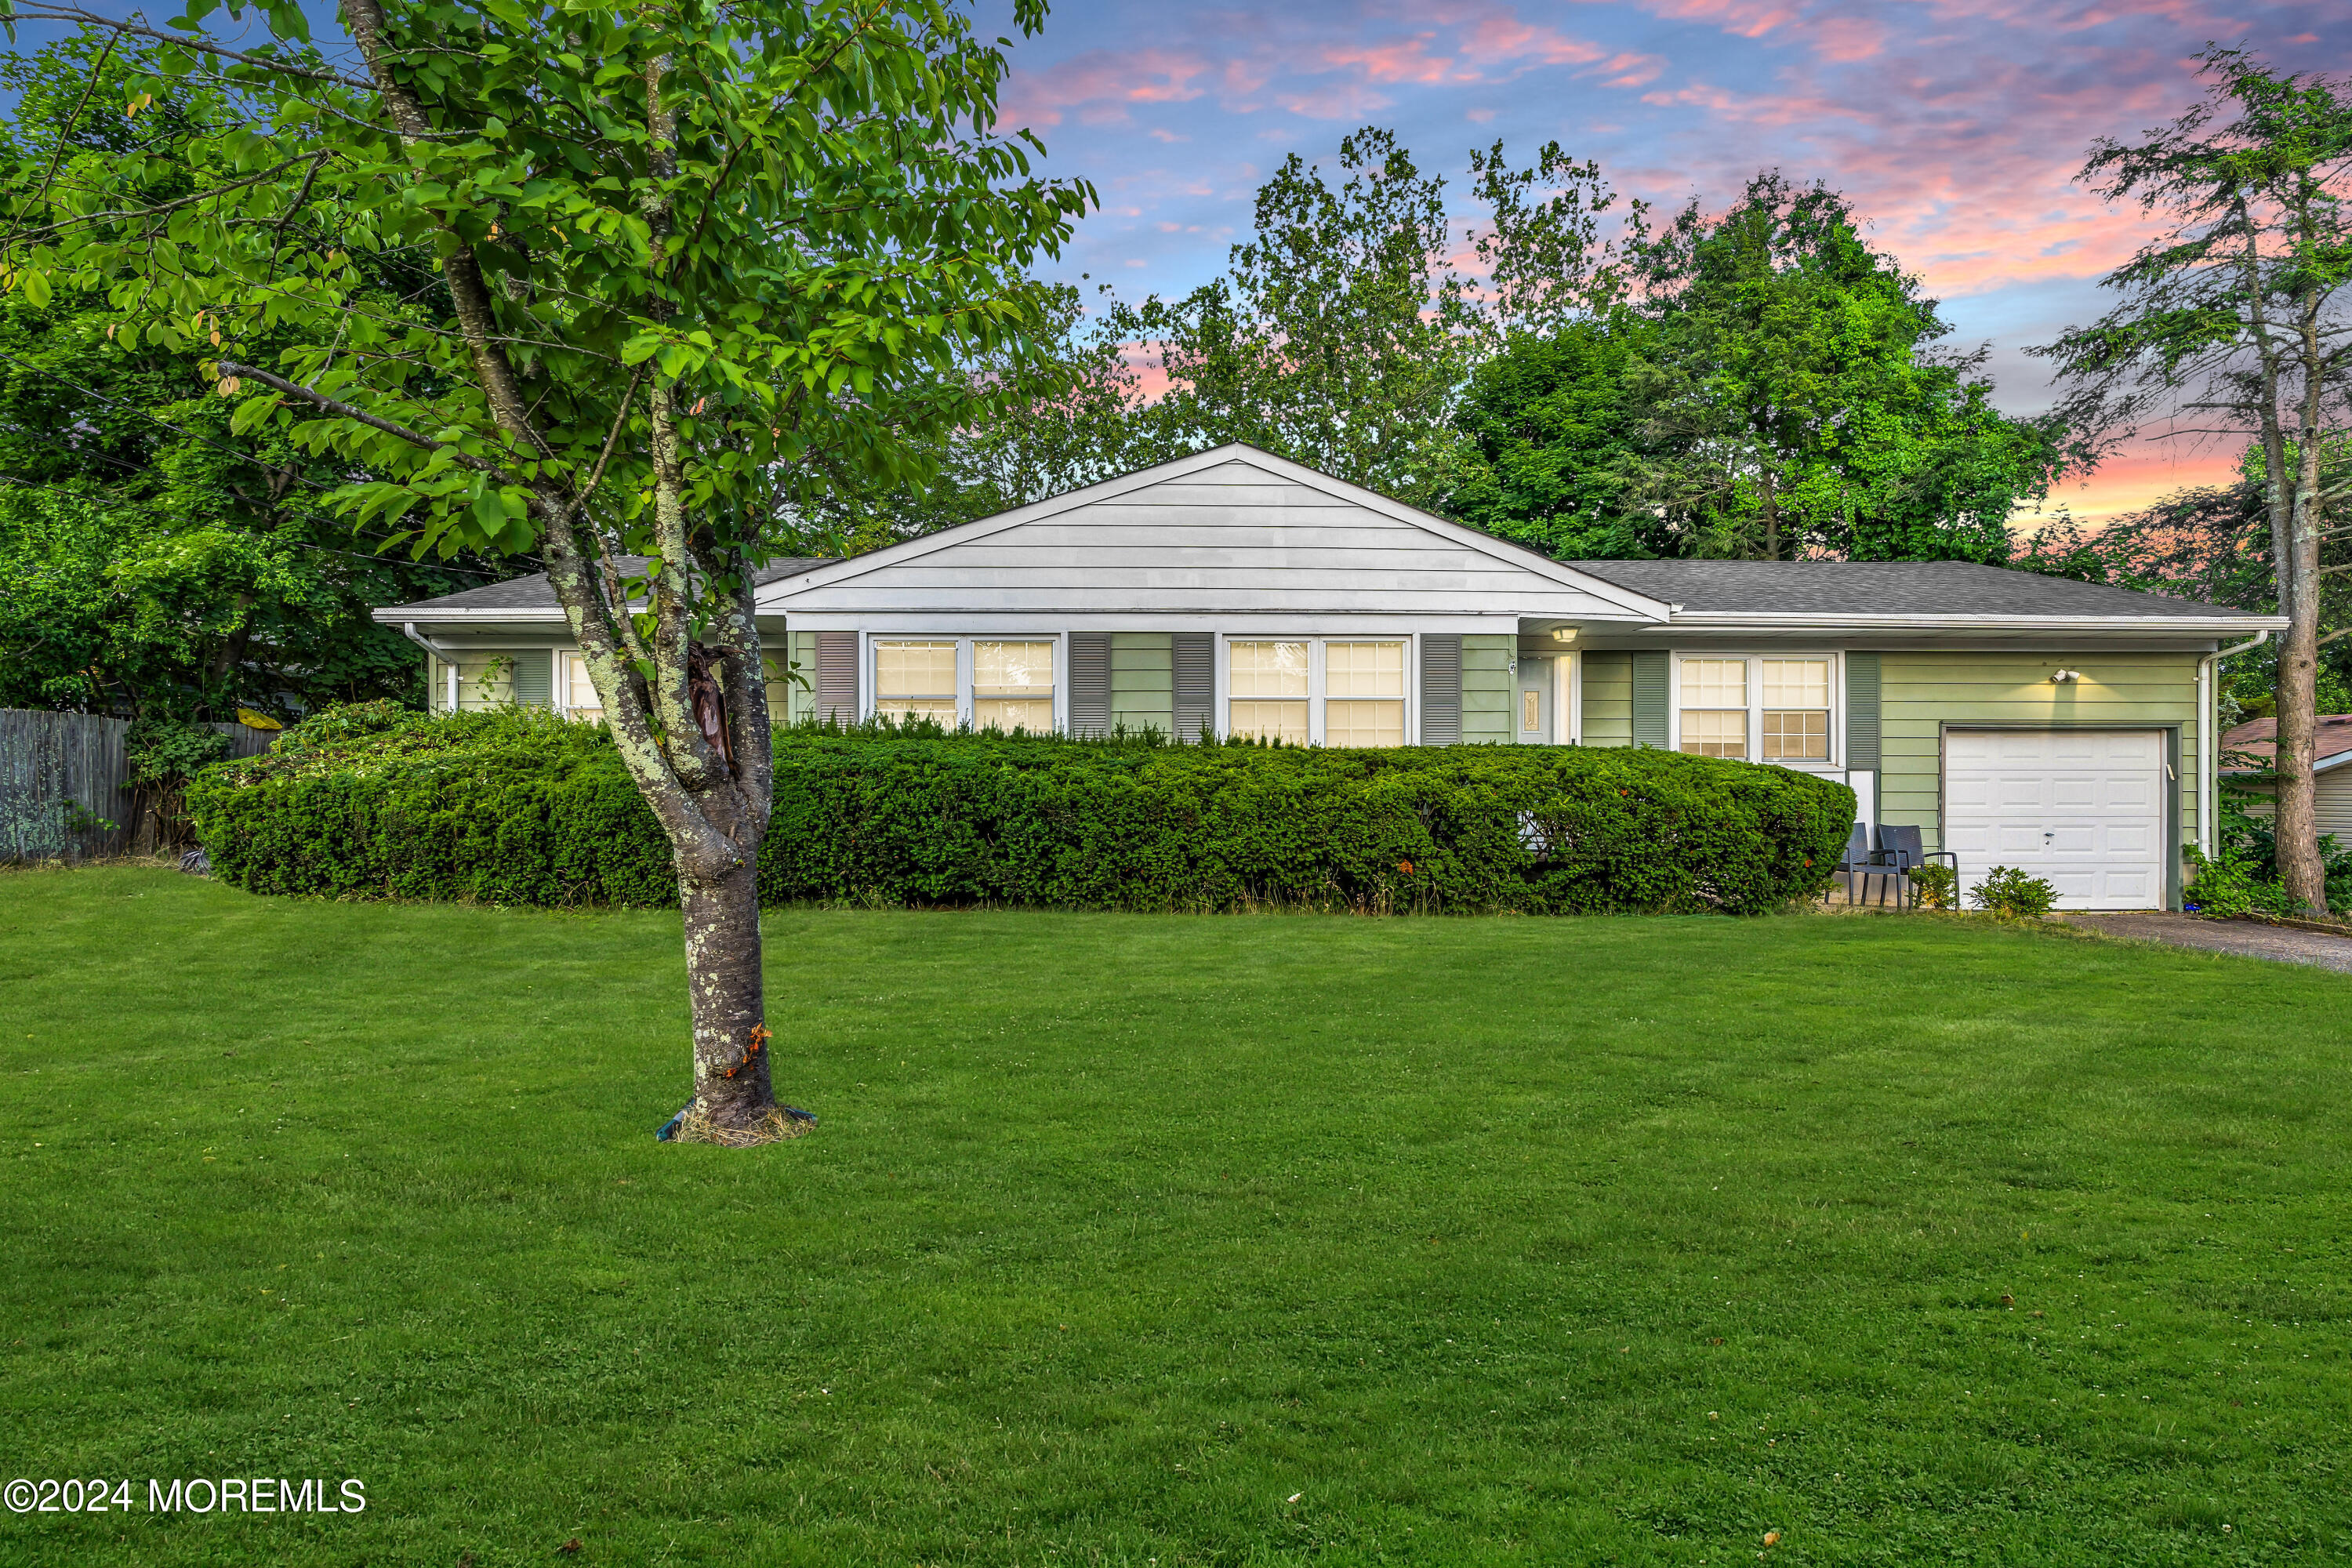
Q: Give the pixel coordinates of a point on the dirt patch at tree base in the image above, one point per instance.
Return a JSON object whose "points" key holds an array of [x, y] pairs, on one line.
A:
{"points": [[774, 1128]]}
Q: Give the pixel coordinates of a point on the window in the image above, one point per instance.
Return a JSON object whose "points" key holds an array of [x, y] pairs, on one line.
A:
{"points": [[574, 693], [1796, 710], [1013, 686], [1363, 694], [986, 682], [1771, 708], [1311, 691], [1266, 694], [916, 680], [1715, 707]]}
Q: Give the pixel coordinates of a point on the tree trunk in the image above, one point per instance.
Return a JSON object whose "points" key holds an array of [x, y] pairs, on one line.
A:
{"points": [[732, 1086], [2303, 871], [1771, 518]]}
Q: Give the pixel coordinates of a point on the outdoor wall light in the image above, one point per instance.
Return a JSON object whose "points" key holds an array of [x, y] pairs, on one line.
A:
{"points": [[1563, 634], [2061, 676]]}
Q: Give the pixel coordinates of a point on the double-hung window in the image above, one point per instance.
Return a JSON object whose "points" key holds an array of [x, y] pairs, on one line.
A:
{"points": [[1764, 707], [574, 693], [1266, 688], [1316, 691], [1363, 696], [916, 680], [990, 683], [1013, 686]]}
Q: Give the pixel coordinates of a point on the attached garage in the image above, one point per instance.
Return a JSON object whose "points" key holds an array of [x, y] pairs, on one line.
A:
{"points": [[2082, 809]]}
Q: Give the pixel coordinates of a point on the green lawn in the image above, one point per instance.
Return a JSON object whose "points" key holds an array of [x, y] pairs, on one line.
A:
{"points": [[1172, 1240]]}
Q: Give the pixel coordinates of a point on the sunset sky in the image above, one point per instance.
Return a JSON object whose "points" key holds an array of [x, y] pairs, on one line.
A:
{"points": [[1956, 128]]}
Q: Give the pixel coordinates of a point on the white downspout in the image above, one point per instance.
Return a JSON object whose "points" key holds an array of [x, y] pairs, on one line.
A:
{"points": [[408, 629], [2209, 739]]}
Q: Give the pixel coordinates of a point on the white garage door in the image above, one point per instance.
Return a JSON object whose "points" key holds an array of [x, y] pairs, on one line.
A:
{"points": [[2082, 809]]}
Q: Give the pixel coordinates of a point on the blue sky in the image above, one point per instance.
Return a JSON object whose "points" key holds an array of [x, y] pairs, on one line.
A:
{"points": [[1956, 126]]}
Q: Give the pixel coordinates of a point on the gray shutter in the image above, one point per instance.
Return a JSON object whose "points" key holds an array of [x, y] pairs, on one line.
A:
{"points": [[1089, 683], [1861, 711], [534, 677], [1441, 690], [1196, 684], [1650, 699], [837, 676]]}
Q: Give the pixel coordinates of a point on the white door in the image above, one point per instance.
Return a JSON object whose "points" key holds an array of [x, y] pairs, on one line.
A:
{"points": [[2082, 809]]}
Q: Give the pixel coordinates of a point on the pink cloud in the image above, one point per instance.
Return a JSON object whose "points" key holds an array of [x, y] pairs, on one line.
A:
{"points": [[1742, 18], [1506, 38], [1403, 60], [1099, 85], [1846, 38]]}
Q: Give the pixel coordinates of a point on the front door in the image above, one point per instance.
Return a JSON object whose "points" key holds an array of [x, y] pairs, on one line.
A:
{"points": [[1532, 716]]}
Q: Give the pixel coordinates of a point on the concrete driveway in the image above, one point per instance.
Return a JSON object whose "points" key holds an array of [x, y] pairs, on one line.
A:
{"points": [[2281, 945]]}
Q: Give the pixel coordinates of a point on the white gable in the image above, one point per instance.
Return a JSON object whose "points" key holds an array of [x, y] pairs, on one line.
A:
{"points": [[1228, 531]]}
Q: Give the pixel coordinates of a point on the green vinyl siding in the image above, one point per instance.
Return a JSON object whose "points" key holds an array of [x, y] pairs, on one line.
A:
{"points": [[1919, 693], [1487, 660], [1142, 681], [1608, 699]]}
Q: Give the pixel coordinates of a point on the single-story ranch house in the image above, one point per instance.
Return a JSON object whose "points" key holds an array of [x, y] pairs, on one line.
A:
{"points": [[2019, 720]]}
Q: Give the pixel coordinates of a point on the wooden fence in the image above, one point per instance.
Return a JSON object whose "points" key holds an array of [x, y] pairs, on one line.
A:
{"points": [[65, 785]]}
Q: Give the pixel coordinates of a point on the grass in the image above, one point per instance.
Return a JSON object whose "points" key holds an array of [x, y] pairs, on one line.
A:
{"points": [[1166, 1240]]}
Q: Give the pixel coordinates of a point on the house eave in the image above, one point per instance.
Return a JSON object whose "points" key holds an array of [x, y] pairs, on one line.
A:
{"points": [[2179, 626]]}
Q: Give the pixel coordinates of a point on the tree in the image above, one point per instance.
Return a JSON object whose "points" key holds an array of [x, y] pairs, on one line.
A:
{"points": [[2212, 542], [158, 564], [687, 266], [1762, 384], [2234, 320]]}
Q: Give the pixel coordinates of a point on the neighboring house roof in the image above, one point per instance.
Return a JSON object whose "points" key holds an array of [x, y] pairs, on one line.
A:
{"points": [[1898, 593], [2258, 738], [533, 597]]}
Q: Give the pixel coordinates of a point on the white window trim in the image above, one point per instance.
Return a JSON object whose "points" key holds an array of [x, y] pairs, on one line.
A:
{"points": [[1833, 763], [559, 689], [1316, 642], [869, 669]]}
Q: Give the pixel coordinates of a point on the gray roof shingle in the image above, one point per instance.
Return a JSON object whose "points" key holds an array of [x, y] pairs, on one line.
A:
{"points": [[1881, 587], [535, 593]]}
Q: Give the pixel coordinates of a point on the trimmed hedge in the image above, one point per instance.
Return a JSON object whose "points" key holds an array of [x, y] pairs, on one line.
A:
{"points": [[520, 808]]}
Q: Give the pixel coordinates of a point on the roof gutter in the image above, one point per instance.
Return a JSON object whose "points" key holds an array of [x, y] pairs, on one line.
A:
{"points": [[408, 629], [2208, 750], [1737, 620]]}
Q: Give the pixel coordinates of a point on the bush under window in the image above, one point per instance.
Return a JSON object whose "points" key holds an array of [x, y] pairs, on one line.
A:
{"points": [[523, 807]]}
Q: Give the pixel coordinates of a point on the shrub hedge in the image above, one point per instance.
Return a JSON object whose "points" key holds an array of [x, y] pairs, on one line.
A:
{"points": [[520, 807]]}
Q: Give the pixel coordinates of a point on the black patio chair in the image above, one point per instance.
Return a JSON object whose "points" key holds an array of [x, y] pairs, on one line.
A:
{"points": [[1902, 849], [1858, 861]]}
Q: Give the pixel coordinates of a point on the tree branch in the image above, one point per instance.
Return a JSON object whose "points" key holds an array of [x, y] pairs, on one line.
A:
{"points": [[390, 427], [181, 40]]}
